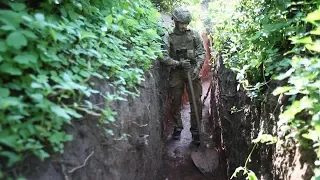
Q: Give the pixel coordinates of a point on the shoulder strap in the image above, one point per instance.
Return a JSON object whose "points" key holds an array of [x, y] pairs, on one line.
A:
{"points": [[193, 38]]}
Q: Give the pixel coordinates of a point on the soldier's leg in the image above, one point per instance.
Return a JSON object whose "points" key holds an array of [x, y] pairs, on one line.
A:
{"points": [[197, 88], [177, 89]]}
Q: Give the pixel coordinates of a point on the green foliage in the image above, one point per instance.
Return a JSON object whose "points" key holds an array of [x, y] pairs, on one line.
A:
{"points": [[265, 138], [254, 39], [50, 53], [276, 40], [250, 175], [303, 115], [168, 5]]}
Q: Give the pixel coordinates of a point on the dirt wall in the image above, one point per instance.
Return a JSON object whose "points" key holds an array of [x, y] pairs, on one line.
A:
{"points": [[237, 120], [134, 151]]}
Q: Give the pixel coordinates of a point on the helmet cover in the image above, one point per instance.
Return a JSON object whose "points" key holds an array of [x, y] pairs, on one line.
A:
{"points": [[182, 15]]}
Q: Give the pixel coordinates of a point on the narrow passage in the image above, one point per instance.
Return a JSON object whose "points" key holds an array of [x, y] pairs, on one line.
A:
{"points": [[177, 164]]}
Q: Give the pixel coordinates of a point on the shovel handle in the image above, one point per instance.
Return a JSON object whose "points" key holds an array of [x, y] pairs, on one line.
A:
{"points": [[195, 109]]}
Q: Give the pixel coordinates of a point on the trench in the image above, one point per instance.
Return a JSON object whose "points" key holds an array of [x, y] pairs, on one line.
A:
{"points": [[177, 161], [118, 158], [135, 150], [232, 132]]}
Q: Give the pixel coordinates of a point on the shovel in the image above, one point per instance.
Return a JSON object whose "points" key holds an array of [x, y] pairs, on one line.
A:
{"points": [[206, 159]]}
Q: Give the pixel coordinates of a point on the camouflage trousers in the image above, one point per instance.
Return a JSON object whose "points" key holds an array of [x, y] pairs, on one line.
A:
{"points": [[178, 82]]}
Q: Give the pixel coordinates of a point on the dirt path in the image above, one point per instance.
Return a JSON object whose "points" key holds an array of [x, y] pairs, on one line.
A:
{"points": [[178, 164]]}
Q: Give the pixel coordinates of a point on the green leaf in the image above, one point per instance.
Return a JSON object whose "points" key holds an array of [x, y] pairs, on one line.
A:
{"points": [[73, 15], [9, 140], [9, 68], [17, 6], [252, 175], [29, 34], [60, 112], [109, 132], [237, 171], [41, 154], [4, 92], [314, 47], [114, 28], [97, 75], [14, 118], [84, 73], [86, 34], [111, 118], [280, 90], [16, 39], [11, 102], [316, 32], [314, 16], [8, 27], [36, 85], [305, 40], [132, 22], [265, 138], [109, 19], [37, 97], [12, 157], [285, 75], [3, 47], [10, 18], [58, 137], [26, 59], [307, 136], [73, 113]]}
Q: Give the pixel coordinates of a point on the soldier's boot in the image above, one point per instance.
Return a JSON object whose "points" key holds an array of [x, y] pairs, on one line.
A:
{"points": [[196, 139], [176, 135]]}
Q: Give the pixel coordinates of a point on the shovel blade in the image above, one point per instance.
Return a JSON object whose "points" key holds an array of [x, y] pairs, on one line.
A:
{"points": [[206, 159]]}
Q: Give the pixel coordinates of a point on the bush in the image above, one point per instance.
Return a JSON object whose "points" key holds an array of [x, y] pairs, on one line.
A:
{"points": [[271, 40], [49, 52]]}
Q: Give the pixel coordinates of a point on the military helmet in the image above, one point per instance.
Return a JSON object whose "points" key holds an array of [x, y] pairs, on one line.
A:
{"points": [[182, 15]]}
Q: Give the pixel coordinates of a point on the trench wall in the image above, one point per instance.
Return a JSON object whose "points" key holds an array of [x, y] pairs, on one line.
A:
{"points": [[237, 120], [134, 152]]}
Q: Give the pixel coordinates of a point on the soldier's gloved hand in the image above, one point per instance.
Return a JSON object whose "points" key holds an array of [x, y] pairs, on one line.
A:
{"points": [[185, 64], [195, 73]]}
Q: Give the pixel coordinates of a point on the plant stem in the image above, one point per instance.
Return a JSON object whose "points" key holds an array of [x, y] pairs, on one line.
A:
{"points": [[248, 158]]}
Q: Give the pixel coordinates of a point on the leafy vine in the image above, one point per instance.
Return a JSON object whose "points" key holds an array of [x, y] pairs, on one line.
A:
{"points": [[50, 51]]}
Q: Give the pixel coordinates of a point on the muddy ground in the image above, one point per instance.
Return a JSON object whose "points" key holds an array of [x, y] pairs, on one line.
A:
{"points": [[177, 162]]}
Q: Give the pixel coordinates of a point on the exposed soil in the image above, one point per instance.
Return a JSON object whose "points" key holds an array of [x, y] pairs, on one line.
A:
{"points": [[177, 162], [136, 156]]}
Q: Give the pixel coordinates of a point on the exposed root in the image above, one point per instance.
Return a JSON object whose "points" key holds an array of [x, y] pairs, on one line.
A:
{"points": [[84, 164], [64, 172]]}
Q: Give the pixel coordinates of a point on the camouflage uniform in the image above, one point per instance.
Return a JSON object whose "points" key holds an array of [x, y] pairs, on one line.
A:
{"points": [[175, 42]]}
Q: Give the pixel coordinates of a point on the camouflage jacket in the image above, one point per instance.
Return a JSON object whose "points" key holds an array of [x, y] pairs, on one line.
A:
{"points": [[188, 45]]}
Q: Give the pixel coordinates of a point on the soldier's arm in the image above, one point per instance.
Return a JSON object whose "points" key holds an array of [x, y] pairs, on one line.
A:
{"points": [[200, 52], [166, 59]]}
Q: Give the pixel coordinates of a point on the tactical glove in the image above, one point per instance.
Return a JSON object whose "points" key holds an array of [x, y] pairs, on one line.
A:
{"points": [[185, 64]]}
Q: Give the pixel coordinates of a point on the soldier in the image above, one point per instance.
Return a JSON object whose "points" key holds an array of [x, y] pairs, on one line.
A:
{"points": [[184, 53]]}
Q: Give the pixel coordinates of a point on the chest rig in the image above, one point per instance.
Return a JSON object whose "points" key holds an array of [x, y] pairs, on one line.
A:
{"points": [[182, 46]]}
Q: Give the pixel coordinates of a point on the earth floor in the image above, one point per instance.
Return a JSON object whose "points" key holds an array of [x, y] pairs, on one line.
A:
{"points": [[178, 164]]}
